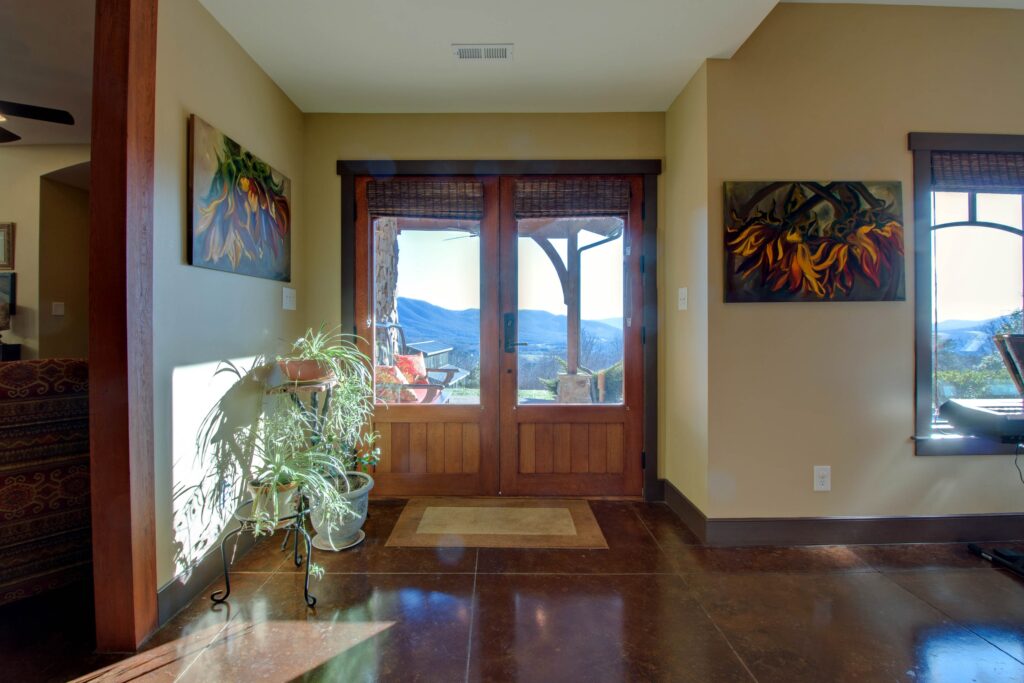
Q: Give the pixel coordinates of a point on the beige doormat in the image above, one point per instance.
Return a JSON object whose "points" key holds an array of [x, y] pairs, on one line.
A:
{"points": [[497, 523]]}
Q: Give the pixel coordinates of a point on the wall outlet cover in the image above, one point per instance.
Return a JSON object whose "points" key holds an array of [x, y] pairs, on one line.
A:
{"points": [[683, 299], [822, 478]]}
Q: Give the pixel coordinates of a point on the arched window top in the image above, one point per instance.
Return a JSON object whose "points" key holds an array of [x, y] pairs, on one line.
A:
{"points": [[999, 211]]}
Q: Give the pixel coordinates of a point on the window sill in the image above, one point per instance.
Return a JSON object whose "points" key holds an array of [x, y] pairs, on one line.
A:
{"points": [[960, 445]]}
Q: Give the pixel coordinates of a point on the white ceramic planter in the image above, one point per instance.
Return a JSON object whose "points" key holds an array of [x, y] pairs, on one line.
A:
{"points": [[263, 500], [346, 532]]}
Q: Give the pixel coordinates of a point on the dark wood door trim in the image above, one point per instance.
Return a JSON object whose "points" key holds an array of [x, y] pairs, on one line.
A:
{"points": [[120, 323], [650, 169]]}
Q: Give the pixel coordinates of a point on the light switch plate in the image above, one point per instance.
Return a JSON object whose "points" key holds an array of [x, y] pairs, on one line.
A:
{"points": [[683, 299], [57, 308], [288, 298]]}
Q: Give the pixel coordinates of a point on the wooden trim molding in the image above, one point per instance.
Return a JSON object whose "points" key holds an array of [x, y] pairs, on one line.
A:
{"points": [[684, 508], [796, 531], [387, 168], [120, 324]]}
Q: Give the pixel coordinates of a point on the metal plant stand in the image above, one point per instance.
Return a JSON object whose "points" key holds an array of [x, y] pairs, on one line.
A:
{"points": [[296, 524]]}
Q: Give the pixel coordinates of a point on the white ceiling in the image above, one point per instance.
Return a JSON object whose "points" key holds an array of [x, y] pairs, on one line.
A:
{"points": [[394, 56], [570, 55], [46, 58]]}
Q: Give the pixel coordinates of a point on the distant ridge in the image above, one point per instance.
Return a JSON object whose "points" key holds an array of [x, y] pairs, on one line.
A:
{"points": [[422, 321]]}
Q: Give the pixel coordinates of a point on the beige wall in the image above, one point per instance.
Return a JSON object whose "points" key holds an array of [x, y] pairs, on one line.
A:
{"points": [[63, 270], [203, 316], [830, 92], [330, 137], [683, 262], [20, 169]]}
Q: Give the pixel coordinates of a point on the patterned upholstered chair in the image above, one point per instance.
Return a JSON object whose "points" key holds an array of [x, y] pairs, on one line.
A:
{"points": [[45, 539]]}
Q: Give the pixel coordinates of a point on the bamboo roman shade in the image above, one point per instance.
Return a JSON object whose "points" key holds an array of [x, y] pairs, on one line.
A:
{"points": [[426, 198], [552, 197], [977, 172]]}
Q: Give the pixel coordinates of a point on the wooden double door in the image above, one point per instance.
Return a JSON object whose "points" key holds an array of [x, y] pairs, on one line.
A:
{"points": [[504, 318]]}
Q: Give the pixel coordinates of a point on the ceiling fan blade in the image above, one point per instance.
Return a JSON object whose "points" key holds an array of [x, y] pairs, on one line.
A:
{"points": [[8, 136], [29, 111]]}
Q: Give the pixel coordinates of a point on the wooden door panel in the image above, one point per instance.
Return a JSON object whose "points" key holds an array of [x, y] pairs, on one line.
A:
{"points": [[549, 448], [437, 449]]}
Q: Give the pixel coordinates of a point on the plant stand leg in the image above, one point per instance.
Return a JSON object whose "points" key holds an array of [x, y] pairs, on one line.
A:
{"points": [[287, 535], [310, 598], [220, 597], [298, 525]]}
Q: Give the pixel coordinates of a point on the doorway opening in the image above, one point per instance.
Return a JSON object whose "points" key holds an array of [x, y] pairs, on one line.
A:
{"points": [[505, 317]]}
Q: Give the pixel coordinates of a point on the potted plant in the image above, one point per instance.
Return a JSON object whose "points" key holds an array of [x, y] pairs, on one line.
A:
{"points": [[319, 356], [340, 432], [285, 464]]}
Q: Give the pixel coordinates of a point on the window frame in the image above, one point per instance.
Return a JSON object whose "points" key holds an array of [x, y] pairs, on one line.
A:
{"points": [[926, 442]]}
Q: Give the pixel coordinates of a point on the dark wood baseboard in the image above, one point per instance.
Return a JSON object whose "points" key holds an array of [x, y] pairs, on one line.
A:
{"points": [[684, 508], [843, 530], [177, 594]]}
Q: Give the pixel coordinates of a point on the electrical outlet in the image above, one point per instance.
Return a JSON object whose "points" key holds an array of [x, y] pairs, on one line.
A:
{"points": [[822, 478], [288, 298], [683, 298]]}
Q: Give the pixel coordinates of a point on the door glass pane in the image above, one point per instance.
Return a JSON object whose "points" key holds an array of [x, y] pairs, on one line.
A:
{"points": [[571, 310], [977, 283], [426, 290]]}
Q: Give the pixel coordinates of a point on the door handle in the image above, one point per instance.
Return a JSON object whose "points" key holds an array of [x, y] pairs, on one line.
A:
{"points": [[510, 334]]}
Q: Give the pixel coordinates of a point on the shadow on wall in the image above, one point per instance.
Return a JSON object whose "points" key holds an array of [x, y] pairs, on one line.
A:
{"points": [[216, 407]]}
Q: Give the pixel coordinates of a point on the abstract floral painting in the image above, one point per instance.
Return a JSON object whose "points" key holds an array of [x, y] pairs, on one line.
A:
{"points": [[813, 241], [240, 219]]}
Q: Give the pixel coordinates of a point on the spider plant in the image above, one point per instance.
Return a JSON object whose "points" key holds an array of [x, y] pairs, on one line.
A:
{"points": [[341, 429]]}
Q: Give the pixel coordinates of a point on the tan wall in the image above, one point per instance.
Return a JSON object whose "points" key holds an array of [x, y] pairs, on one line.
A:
{"points": [[330, 137], [683, 262], [830, 92], [20, 169], [63, 270], [203, 316]]}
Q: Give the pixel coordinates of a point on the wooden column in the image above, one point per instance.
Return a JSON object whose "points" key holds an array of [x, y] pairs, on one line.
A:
{"points": [[120, 323]]}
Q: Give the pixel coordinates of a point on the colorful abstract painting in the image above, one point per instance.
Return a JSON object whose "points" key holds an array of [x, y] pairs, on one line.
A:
{"points": [[240, 208], [813, 241]]}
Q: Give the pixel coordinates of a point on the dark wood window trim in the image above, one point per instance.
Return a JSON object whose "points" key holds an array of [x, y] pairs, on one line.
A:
{"points": [[922, 145], [648, 168]]}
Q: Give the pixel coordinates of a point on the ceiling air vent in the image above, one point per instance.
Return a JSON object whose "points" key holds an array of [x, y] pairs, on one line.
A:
{"points": [[477, 52]]}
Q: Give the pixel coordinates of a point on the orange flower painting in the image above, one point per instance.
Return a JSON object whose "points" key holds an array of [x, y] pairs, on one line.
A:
{"points": [[813, 241], [240, 208]]}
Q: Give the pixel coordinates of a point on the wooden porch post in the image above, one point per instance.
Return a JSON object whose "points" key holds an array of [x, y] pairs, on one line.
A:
{"points": [[572, 353]]}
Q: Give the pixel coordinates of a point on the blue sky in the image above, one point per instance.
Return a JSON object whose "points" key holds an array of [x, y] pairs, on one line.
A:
{"points": [[443, 267]]}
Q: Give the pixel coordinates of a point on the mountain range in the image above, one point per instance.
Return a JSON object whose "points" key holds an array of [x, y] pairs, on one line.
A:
{"points": [[969, 337], [423, 321]]}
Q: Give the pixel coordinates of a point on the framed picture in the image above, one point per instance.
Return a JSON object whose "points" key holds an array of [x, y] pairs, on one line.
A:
{"points": [[814, 241], [8, 290], [6, 246], [239, 208]]}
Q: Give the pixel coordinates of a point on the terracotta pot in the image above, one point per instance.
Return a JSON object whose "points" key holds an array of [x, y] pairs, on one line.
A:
{"points": [[305, 370]]}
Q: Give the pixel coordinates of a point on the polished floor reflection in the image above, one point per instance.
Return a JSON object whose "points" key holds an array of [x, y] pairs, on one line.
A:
{"points": [[655, 606]]}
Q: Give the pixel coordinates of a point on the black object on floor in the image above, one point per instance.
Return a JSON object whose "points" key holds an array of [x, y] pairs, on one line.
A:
{"points": [[1001, 557]]}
